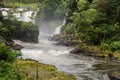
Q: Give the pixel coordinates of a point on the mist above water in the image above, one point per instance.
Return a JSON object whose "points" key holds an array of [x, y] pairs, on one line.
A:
{"points": [[46, 52], [49, 27]]}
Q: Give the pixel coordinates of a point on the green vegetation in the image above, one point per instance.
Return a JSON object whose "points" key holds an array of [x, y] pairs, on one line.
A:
{"points": [[7, 57], [10, 29], [31, 4], [7, 54], [13, 29], [94, 22], [10, 67], [50, 8], [33, 70]]}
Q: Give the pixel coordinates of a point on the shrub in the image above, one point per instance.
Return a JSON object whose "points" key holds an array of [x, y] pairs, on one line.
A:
{"points": [[104, 46], [115, 46], [7, 54]]}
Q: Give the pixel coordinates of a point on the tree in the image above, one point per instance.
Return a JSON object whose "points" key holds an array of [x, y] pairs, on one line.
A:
{"points": [[7, 54]]}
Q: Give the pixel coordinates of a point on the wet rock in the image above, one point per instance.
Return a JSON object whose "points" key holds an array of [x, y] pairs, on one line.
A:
{"points": [[77, 51], [67, 43], [61, 38], [27, 39], [81, 50], [100, 56], [17, 47], [13, 45], [114, 76], [64, 40], [55, 38]]}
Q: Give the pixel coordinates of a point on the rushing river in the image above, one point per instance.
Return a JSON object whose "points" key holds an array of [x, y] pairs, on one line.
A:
{"points": [[47, 52]]}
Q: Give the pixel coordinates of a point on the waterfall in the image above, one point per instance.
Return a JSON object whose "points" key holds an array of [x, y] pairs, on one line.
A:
{"points": [[20, 14], [4, 11], [48, 27], [59, 56], [57, 30], [27, 16]]}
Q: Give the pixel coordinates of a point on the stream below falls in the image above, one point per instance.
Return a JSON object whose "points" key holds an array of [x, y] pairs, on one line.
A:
{"points": [[47, 52]]}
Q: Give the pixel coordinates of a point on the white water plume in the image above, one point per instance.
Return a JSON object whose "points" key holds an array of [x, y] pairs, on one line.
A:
{"points": [[26, 16], [22, 14], [4, 13], [48, 28], [58, 29]]}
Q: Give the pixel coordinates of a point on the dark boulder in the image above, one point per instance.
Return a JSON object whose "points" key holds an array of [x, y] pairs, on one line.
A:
{"points": [[66, 43], [55, 38], [63, 40], [83, 51], [13, 45], [77, 51], [114, 76]]}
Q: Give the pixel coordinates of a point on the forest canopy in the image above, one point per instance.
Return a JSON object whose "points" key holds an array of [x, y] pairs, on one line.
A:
{"points": [[95, 22]]}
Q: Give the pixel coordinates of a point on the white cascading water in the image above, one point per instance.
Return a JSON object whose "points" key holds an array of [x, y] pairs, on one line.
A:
{"points": [[21, 15], [25, 16], [47, 29], [57, 31], [4, 11], [46, 52]]}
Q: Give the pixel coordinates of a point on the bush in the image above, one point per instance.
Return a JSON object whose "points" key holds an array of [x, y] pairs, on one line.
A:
{"points": [[104, 46], [115, 46], [7, 54], [25, 31], [7, 72]]}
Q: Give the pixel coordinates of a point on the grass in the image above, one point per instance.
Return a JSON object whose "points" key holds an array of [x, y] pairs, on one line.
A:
{"points": [[99, 52], [33, 70]]}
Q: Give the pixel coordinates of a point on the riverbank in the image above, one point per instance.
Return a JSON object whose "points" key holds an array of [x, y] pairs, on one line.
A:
{"points": [[34, 70], [81, 48]]}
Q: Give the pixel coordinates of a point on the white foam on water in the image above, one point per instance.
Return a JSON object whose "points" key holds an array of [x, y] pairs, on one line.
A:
{"points": [[21, 15], [58, 29], [4, 13]]}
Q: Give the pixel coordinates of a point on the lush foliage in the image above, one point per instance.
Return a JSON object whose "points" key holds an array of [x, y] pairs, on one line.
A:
{"points": [[7, 54], [25, 31], [7, 57], [10, 28], [51, 8], [96, 23]]}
